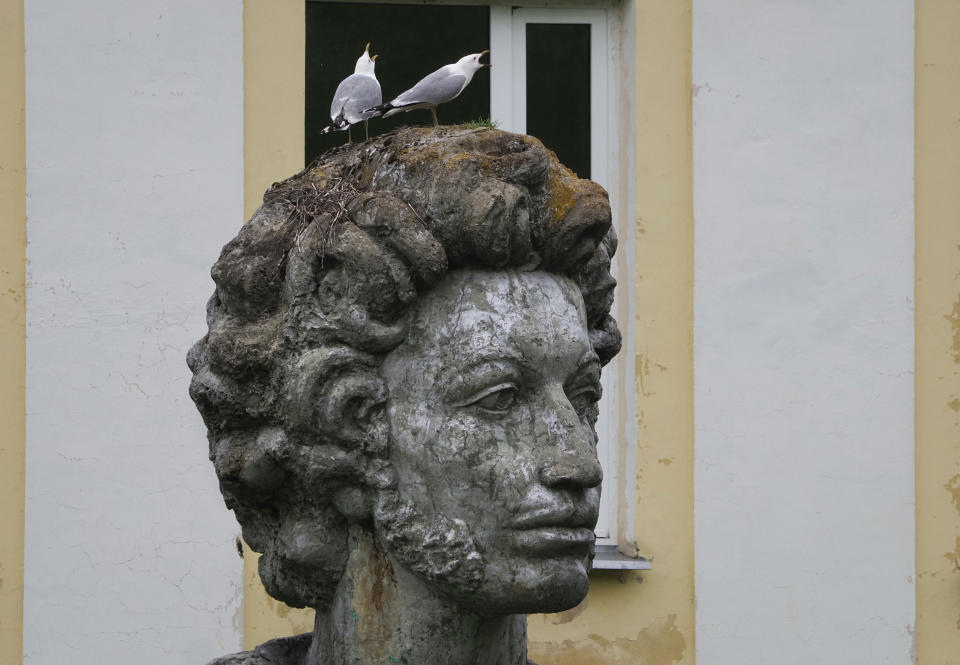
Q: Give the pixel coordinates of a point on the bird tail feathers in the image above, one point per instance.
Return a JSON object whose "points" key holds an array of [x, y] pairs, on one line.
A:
{"points": [[379, 110], [392, 108], [339, 123]]}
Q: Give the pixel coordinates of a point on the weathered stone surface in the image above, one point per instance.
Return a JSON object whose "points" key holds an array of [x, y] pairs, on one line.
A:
{"points": [[400, 384]]}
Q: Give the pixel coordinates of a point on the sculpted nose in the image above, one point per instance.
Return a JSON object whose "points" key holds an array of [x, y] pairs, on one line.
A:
{"points": [[570, 453], [569, 471]]}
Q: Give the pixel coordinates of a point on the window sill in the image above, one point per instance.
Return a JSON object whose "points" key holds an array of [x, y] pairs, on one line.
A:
{"points": [[608, 557]]}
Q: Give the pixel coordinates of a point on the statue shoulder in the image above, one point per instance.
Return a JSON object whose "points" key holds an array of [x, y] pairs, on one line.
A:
{"points": [[281, 651]]}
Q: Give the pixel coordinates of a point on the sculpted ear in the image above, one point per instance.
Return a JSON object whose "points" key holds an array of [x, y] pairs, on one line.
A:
{"points": [[336, 395]]}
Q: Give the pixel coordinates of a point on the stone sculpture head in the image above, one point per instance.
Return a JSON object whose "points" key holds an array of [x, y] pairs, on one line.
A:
{"points": [[406, 340]]}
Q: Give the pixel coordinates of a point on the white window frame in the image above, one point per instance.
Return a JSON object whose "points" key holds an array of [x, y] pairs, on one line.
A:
{"points": [[597, 20], [612, 165]]}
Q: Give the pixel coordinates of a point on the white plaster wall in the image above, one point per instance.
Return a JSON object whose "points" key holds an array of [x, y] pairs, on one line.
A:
{"points": [[803, 179], [134, 181]]}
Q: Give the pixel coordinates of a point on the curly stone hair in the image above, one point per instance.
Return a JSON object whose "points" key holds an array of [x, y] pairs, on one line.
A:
{"points": [[317, 288]]}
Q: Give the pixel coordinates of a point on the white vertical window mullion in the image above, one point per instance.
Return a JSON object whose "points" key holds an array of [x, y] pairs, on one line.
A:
{"points": [[519, 67], [502, 97], [599, 123]]}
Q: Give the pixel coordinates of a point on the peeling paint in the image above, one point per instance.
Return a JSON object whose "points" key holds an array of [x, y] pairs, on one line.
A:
{"points": [[954, 404], [954, 318], [666, 461], [13, 294], [661, 644], [696, 89], [282, 610], [954, 556], [913, 642], [642, 369], [569, 615], [236, 621], [953, 486]]}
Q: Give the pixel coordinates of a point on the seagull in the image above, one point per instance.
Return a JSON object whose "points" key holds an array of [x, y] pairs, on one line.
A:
{"points": [[439, 87], [358, 91]]}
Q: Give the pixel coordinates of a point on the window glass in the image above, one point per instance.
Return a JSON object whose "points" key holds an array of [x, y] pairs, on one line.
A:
{"points": [[410, 40], [558, 90]]}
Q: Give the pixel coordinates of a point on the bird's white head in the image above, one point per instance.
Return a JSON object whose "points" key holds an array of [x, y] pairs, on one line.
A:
{"points": [[469, 64], [366, 63]]}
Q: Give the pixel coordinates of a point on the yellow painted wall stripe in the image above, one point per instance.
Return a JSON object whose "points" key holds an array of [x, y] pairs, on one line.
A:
{"points": [[938, 331], [13, 245], [274, 37], [623, 620]]}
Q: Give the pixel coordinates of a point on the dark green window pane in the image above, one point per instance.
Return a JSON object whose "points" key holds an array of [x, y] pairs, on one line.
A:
{"points": [[558, 90], [410, 40]]}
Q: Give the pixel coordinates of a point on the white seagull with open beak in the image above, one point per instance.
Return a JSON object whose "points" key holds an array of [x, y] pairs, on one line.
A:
{"points": [[354, 95], [441, 86]]}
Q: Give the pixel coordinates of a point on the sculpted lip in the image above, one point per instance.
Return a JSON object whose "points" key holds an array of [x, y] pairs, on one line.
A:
{"points": [[551, 517], [552, 530], [549, 539]]}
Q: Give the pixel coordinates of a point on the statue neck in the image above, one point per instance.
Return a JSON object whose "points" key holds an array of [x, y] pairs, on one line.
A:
{"points": [[384, 614]]}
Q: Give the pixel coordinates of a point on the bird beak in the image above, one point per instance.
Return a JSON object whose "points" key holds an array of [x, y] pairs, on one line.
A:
{"points": [[373, 57], [483, 53], [367, 49]]}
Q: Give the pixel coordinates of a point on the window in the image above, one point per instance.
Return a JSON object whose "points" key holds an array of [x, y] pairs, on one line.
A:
{"points": [[553, 76]]}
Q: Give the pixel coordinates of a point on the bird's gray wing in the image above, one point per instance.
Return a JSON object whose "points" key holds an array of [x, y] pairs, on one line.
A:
{"points": [[355, 93], [440, 86]]}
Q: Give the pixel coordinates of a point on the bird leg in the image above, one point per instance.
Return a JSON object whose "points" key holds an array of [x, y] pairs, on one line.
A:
{"points": [[434, 112], [366, 130], [349, 135]]}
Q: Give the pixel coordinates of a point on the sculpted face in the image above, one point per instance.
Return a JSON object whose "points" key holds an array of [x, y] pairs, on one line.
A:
{"points": [[492, 406]]}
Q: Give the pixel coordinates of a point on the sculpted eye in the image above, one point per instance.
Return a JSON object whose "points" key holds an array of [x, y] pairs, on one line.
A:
{"points": [[585, 401], [497, 399], [492, 386]]}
